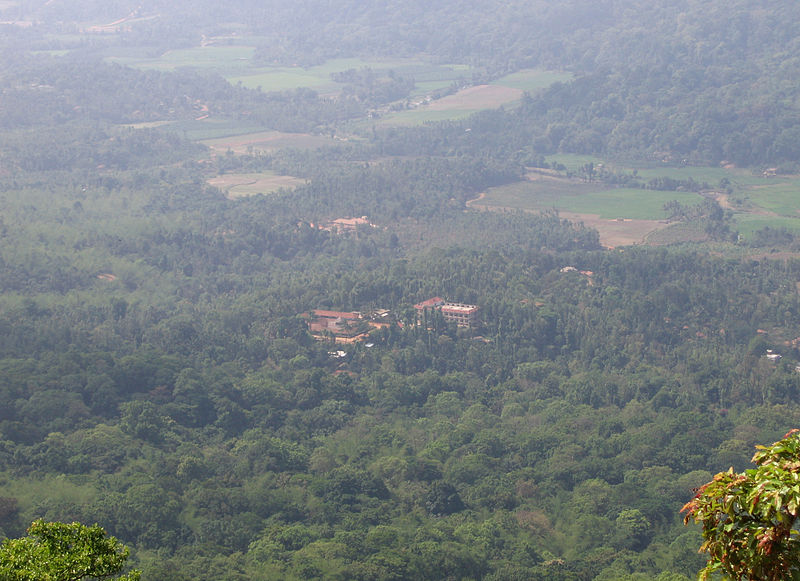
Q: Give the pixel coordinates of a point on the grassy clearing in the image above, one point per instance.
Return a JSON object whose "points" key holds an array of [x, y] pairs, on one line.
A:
{"points": [[236, 65], [319, 77], [457, 106], [782, 198], [626, 203], [505, 91], [251, 184], [711, 175], [148, 124], [266, 141], [213, 128], [748, 224], [476, 98], [206, 57], [676, 234], [584, 198]]}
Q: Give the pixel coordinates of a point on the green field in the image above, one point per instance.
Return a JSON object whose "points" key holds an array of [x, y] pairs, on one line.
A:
{"points": [[747, 224], [212, 128], [626, 203], [710, 175], [585, 198], [781, 197], [207, 57], [319, 77], [235, 63]]}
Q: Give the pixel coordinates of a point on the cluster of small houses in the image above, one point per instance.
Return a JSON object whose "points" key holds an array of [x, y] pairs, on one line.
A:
{"points": [[353, 326], [775, 357]]}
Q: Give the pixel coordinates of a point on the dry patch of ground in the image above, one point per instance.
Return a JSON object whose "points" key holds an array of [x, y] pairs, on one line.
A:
{"points": [[618, 232], [477, 97], [251, 184], [613, 233], [266, 141]]}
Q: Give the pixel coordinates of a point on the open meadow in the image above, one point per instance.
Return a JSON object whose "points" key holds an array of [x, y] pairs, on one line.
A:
{"points": [[460, 105], [622, 216], [236, 63], [263, 141], [545, 192], [756, 201]]}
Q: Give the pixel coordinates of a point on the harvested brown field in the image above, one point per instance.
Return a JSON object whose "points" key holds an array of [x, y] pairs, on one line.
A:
{"points": [[266, 141], [477, 97], [251, 184], [615, 233]]}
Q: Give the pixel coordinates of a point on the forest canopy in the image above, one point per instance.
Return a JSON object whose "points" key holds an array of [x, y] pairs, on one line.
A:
{"points": [[249, 381]]}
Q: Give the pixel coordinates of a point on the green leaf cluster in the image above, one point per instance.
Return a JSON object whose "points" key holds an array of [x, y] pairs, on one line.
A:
{"points": [[749, 518], [55, 551]]}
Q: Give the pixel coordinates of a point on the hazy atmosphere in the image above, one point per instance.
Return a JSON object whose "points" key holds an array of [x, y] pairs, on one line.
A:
{"points": [[380, 290]]}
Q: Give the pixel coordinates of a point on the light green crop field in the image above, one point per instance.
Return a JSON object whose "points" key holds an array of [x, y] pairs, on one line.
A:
{"points": [[710, 175], [782, 198], [756, 201], [585, 198], [206, 57], [213, 128], [319, 77], [235, 63], [626, 203], [504, 91], [748, 224]]}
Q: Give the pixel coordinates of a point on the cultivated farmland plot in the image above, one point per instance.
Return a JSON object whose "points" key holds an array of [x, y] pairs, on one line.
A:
{"points": [[251, 184], [265, 141], [629, 215]]}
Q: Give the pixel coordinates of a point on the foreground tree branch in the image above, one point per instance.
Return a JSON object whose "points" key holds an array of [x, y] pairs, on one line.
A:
{"points": [[55, 551], [748, 519]]}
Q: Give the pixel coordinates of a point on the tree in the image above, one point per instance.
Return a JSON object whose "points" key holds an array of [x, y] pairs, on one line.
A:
{"points": [[55, 551], [748, 518]]}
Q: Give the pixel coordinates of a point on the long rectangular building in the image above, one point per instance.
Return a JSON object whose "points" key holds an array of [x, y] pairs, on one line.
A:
{"points": [[461, 314]]}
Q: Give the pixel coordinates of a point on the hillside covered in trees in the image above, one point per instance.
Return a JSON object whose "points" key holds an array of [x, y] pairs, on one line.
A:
{"points": [[705, 82], [157, 373]]}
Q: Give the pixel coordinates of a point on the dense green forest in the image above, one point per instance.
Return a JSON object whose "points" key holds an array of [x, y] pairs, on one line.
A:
{"points": [[157, 374]]}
